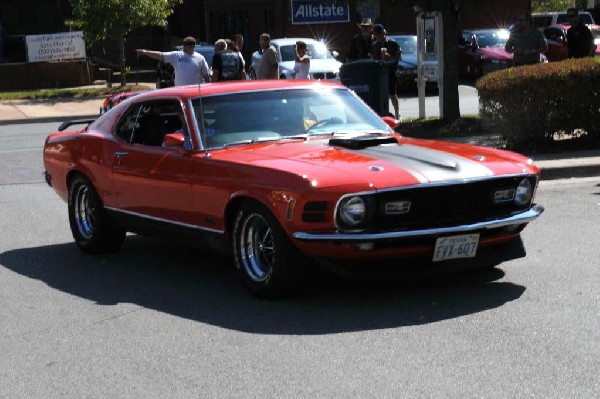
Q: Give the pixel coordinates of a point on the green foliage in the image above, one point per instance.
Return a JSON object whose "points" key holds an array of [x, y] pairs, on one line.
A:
{"points": [[114, 19], [550, 5], [533, 105]]}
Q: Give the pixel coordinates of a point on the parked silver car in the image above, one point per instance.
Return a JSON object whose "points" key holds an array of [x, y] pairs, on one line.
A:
{"points": [[323, 64]]}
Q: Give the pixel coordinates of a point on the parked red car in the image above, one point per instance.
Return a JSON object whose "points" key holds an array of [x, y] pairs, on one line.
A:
{"points": [[556, 36], [481, 51], [113, 100], [284, 170]]}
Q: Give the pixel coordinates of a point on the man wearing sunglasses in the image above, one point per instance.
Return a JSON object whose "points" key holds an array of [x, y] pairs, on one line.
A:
{"points": [[580, 41]]}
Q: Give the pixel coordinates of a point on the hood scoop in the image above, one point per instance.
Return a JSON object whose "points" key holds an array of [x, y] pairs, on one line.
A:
{"points": [[361, 142]]}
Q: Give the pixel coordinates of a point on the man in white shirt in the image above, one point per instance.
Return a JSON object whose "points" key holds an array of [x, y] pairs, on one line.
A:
{"points": [[190, 67]]}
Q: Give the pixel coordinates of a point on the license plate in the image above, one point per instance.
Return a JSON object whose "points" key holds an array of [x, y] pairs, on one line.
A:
{"points": [[455, 247]]}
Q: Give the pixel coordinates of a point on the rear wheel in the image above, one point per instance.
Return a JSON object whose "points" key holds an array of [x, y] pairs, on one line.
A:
{"points": [[267, 261], [93, 231]]}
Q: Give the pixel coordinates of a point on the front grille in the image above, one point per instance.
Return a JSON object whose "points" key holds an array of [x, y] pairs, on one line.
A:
{"points": [[445, 205]]}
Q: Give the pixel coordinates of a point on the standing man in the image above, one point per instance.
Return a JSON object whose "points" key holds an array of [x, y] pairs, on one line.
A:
{"points": [[268, 67], [388, 51], [580, 41], [361, 43], [227, 64], [525, 42], [190, 67], [238, 41]]}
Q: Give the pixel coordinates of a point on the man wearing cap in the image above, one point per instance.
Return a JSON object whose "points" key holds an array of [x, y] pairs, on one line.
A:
{"points": [[388, 51], [190, 67], [361, 43]]}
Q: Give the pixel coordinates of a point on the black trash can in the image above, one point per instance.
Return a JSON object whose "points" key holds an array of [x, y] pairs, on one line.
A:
{"points": [[369, 79]]}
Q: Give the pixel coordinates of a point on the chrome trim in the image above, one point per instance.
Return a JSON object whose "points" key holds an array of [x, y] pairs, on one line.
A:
{"points": [[144, 216], [520, 218]]}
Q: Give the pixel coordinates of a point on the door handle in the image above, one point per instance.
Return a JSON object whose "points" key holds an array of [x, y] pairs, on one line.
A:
{"points": [[119, 155]]}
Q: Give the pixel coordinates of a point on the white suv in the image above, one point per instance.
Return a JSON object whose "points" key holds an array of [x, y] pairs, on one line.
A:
{"points": [[544, 19], [323, 64]]}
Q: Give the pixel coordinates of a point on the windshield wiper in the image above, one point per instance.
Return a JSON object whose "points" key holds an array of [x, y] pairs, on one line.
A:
{"points": [[253, 141]]}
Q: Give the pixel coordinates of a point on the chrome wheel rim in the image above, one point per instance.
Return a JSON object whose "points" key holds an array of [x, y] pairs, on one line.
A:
{"points": [[84, 212], [256, 248]]}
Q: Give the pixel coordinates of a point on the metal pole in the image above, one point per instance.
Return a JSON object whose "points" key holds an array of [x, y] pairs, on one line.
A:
{"points": [[420, 66], [439, 44]]}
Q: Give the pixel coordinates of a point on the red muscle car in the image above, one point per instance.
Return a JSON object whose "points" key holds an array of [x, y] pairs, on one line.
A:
{"points": [[284, 171]]}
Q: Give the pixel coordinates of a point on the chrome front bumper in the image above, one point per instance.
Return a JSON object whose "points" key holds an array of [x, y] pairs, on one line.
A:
{"points": [[518, 219]]}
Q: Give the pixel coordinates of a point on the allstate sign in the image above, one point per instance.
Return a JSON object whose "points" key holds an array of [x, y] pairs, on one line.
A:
{"points": [[319, 12]]}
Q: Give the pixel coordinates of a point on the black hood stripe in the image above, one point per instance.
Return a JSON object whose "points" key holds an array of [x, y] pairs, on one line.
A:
{"points": [[425, 164]]}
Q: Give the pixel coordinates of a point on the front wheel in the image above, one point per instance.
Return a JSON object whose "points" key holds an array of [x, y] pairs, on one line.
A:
{"points": [[93, 231], [267, 261]]}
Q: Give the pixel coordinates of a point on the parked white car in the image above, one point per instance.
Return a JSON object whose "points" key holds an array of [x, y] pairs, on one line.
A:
{"points": [[323, 64], [544, 19]]}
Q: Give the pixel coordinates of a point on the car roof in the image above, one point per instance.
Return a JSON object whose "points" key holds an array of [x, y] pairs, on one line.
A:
{"points": [[206, 89], [291, 40], [535, 14], [401, 35], [480, 30]]}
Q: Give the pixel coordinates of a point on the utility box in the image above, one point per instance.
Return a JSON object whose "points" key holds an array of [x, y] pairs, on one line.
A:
{"points": [[369, 79]]}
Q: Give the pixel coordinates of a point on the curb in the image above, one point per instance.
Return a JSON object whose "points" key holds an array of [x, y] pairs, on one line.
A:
{"points": [[46, 119], [566, 172]]}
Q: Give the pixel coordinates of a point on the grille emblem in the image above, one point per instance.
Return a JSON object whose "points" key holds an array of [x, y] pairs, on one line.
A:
{"points": [[376, 168]]}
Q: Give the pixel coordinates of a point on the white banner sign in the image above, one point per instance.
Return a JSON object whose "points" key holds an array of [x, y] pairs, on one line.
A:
{"points": [[55, 47]]}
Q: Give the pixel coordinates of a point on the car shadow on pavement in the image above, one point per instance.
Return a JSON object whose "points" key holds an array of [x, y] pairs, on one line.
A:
{"points": [[202, 286]]}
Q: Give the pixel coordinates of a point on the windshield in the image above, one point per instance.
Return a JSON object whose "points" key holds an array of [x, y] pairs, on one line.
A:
{"points": [[408, 44], [280, 114], [315, 51], [492, 38]]}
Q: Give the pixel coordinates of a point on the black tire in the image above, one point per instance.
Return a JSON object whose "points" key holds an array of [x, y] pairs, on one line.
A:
{"points": [[93, 231], [266, 260]]}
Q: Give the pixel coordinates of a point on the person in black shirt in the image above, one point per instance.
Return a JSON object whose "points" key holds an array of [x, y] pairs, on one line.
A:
{"points": [[361, 43], [227, 64], [388, 51], [579, 37]]}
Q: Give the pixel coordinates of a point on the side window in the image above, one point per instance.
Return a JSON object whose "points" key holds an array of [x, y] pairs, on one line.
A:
{"points": [[128, 126], [147, 123], [553, 34]]}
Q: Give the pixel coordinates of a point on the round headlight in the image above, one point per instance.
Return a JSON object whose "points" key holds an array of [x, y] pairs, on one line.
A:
{"points": [[524, 192], [353, 210]]}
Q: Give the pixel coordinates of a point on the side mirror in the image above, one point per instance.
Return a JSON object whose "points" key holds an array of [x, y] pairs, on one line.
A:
{"points": [[391, 121], [173, 140]]}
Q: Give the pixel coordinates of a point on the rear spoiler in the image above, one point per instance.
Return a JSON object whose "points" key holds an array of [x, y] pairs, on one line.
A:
{"points": [[66, 124]]}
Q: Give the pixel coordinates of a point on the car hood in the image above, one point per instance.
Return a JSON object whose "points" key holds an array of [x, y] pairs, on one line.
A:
{"points": [[496, 53], [404, 163], [315, 65]]}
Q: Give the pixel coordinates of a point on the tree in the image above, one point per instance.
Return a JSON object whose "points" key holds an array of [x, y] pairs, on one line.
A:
{"points": [[114, 19], [550, 5]]}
